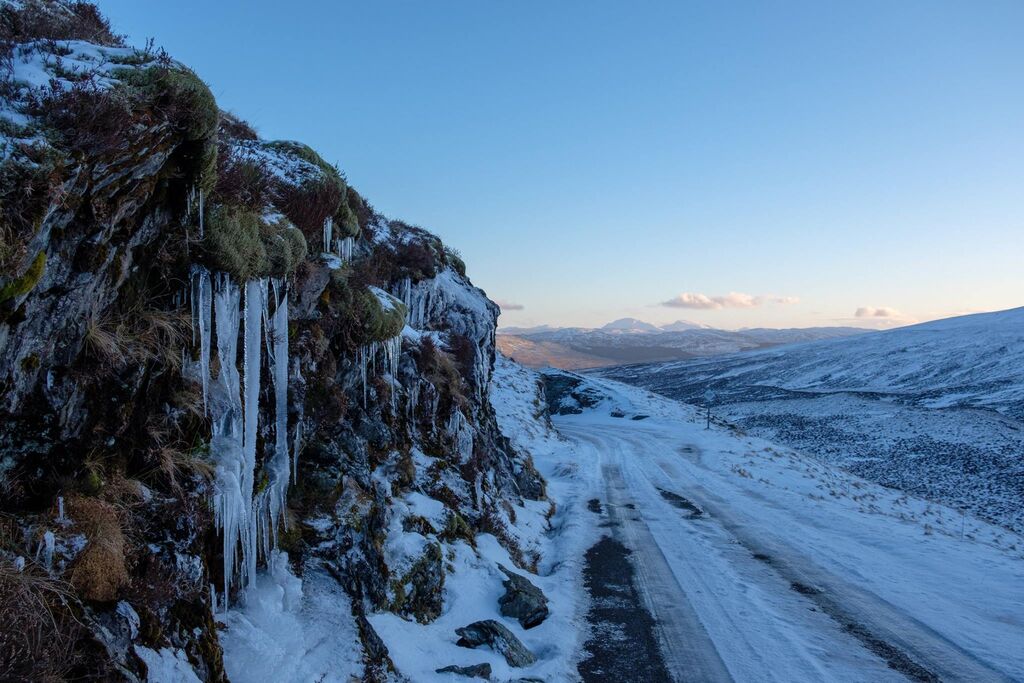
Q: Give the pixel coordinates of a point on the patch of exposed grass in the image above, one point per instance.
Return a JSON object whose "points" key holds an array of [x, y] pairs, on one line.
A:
{"points": [[38, 628], [100, 570]]}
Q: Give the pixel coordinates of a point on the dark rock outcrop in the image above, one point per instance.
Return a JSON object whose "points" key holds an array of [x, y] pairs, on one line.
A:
{"points": [[118, 186], [499, 638], [473, 671], [522, 600]]}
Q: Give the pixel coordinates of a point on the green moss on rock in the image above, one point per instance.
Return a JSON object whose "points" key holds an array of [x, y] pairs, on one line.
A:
{"points": [[180, 93], [241, 242], [419, 593], [379, 321], [309, 202], [24, 284]]}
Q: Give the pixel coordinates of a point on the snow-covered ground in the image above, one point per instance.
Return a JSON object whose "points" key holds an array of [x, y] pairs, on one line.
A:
{"points": [[791, 571], [473, 583], [796, 571], [292, 629], [936, 410]]}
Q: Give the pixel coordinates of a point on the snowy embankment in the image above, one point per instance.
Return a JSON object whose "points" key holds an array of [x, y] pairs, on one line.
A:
{"points": [[473, 584], [796, 571]]}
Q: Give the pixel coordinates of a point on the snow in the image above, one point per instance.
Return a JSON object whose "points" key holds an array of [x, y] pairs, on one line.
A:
{"points": [[897, 564], [934, 409], [473, 583], [131, 617], [427, 508], [166, 665], [292, 630], [283, 165]]}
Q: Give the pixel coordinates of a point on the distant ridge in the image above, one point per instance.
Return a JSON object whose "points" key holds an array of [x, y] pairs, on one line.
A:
{"points": [[629, 340]]}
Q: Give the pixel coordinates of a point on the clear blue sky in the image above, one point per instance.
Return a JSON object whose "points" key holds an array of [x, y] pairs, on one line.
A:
{"points": [[594, 159]]}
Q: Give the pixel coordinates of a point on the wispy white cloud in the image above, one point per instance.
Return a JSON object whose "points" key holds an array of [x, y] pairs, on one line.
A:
{"points": [[508, 305], [731, 300], [876, 312], [877, 317]]}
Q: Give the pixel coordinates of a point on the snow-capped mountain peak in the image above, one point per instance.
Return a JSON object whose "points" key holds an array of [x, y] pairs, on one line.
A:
{"points": [[630, 325], [680, 325]]}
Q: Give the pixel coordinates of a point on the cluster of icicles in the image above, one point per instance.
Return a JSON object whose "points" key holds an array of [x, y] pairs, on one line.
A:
{"points": [[247, 516], [421, 300], [341, 248], [257, 311], [366, 359]]}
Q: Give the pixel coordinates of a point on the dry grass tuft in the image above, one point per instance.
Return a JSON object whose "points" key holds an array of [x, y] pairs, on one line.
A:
{"points": [[136, 337], [38, 629], [100, 570]]}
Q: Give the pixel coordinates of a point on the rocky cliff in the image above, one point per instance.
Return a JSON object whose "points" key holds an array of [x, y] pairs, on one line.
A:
{"points": [[217, 362]]}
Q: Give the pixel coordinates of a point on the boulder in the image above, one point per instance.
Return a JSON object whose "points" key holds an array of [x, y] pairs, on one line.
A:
{"points": [[472, 671], [522, 600], [499, 638]]}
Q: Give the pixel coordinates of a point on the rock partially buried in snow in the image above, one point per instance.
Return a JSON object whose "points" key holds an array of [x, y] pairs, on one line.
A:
{"points": [[522, 600], [472, 671], [503, 641]]}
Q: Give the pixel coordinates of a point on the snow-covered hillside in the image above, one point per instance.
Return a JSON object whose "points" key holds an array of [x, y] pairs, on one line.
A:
{"points": [[935, 409]]}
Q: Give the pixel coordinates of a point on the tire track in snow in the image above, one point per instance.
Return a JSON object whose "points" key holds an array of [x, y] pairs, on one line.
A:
{"points": [[689, 653], [907, 645]]}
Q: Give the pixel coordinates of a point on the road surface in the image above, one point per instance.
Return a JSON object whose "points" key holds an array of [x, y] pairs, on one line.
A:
{"points": [[743, 582]]}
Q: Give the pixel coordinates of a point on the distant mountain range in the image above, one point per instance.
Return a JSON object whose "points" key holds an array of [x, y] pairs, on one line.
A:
{"points": [[629, 340]]}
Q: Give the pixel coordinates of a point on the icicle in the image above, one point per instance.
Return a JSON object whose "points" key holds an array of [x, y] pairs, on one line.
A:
{"points": [[60, 510], [345, 249], [270, 504], [231, 504], [46, 550], [328, 234], [462, 432], [297, 444], [202, 310], [255, 294], [202, 215], [366, 359], [412, 401]]}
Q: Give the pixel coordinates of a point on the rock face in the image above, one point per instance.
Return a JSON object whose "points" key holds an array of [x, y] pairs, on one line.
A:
{"points": [[157, 260], [499, 638], [522, 600]]}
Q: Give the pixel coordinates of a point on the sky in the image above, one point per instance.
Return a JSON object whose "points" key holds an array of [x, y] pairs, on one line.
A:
{"points": [[770, 163]]}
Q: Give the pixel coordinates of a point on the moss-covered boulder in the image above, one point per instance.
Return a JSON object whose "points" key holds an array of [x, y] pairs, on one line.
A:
{"points": [[315, 190]]}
